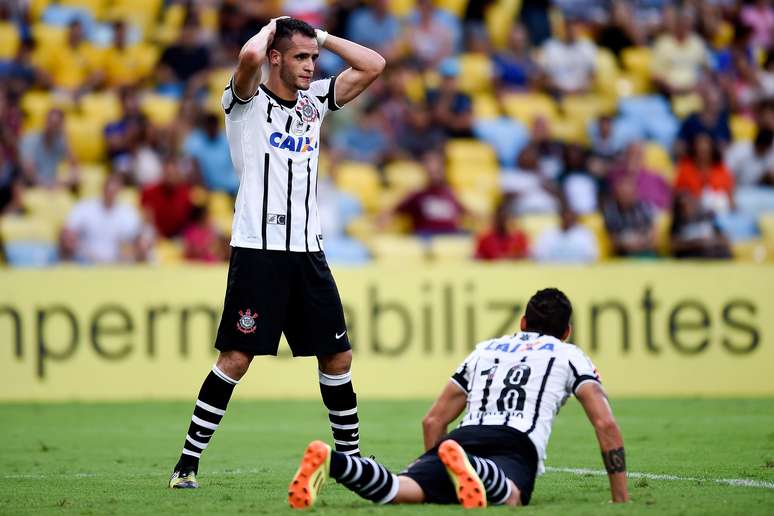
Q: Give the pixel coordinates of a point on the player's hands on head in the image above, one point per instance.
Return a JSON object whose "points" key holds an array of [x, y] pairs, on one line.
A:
{"points": [[271, 27]]}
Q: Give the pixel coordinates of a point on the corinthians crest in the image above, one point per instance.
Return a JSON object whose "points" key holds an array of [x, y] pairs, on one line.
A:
{"points": [[246, 323], [306, 110]]}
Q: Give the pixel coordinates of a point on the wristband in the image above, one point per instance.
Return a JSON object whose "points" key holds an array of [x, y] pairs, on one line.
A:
{"points": [[321, 37]]}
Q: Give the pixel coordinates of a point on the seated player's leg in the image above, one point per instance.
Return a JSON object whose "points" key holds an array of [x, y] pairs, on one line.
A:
{"points": [[364, 477], [317, 328], [469, 487]]}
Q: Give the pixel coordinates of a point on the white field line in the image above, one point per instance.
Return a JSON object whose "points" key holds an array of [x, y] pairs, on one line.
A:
{"points": [[735, 482]]}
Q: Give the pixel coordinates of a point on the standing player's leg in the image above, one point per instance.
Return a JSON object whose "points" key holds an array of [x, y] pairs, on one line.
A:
{"points": [[210, 407], [339, 398]]}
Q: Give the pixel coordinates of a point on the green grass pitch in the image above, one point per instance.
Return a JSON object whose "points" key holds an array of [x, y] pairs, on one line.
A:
{"points": [[116, 458]]}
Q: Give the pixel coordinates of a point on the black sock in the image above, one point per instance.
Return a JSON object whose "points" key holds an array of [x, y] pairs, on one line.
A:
{"points": [[365, 477], [495, 482], [339, 397], [209, 410]]}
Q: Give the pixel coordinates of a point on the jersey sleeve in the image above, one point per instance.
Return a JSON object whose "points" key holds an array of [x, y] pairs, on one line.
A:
{"points": [[323, 92], [582, 370], [234, 107], [464, 373]]}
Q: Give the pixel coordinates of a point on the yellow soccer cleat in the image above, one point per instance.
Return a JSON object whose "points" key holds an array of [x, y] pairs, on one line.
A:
{"points": [[311, 475], [181, 479], [468, 486]]}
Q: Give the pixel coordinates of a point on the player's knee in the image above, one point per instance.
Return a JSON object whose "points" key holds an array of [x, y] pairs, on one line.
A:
{"points": [[335, 364], [234, 363]]}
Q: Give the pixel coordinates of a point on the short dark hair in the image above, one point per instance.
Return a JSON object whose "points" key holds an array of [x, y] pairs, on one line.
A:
{"points": [[548, 313], [287, 27]]}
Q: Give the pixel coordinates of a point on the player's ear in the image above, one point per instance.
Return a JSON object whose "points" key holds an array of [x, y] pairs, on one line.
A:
{"points": [[275, 56], [523, 323], [567, 332]]}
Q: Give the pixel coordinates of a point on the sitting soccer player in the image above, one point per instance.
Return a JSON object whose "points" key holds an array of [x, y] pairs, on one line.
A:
{"points": [[513, 386]]}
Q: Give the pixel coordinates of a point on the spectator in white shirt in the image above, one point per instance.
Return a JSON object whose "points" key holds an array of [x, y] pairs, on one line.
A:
{"points": [[569, 243], [104, 230], [569, 62], [752, 163]]}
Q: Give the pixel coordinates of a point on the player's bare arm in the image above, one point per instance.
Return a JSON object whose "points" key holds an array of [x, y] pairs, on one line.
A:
{"points": [[365, 65], [592, 397], [247, 76], [449, 405]]}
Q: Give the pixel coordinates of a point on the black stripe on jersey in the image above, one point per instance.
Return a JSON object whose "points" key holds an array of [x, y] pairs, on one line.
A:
{"points": [[580, 378], [269, 107], [279, 100], [330, 97], [540, 394], [460, 378], [265, 198], [235, 98], [289, 213], [308, 185], [287, 124]]}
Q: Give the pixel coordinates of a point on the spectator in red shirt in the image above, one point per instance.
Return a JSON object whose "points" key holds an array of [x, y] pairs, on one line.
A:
{"points": [[703, 174], [202, 241], [434, 209], [168, 202], [501, 243]]}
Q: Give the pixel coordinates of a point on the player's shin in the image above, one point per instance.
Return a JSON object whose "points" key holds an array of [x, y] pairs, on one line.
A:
{"points": [[341, 402], [496, 484], [365, 477], [209, 410]]}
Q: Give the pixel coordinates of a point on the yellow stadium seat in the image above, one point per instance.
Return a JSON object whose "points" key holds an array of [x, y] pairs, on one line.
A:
{"points": [[26, 228], [160, 109], [140, 12], [220, 203], [468, 177], [452, 247], [35, 105], [464, 150], [658, 160], [48, 36], [766, 225], [684, 105], [103, 107], [48, 204], [535, 224], [388, 198], [584, 108], [130, 196], [405, 176], [9, 40], [480, 204], [361, 180], [485, 107], [96, 7], [499, 20], [168, 30], [606, 72], [169, 252], [85, 138], [91, 179], [743, 128], [596, 224], [36, 8], [401, 8], [750, 251], [456, 7], [570, 130], [398, 248], [525, 107], [476, 72], [218, 79], [663, 226], [638, 61]]}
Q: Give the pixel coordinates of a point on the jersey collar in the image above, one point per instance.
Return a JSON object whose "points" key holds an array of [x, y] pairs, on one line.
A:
{"points": [[278, 100]]}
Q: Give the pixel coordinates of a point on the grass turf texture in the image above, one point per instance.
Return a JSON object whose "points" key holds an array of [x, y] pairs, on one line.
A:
{"points": [[116, 458]]}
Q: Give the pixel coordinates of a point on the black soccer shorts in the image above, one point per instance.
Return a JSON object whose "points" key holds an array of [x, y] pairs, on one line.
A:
{"points": [[273, 292], [510, 449]]}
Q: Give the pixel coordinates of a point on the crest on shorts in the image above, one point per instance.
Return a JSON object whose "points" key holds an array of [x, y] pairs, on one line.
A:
{"points": [[306, 110], [246, 323]]}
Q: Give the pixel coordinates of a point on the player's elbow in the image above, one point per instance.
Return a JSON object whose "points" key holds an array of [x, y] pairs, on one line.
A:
{"points": [[430, 422], [376, 65], [251, 57]]}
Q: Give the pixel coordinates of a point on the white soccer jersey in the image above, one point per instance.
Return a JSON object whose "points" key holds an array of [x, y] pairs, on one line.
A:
{"points": [[275, 147], [522, 381]]}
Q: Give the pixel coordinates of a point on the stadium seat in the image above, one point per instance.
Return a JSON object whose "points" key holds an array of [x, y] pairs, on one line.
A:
{"points": [[743, 128], [684, 105], [85, 138], [36, 8], [27, 229], [485, 107], [480, 204], [35, 105], [499, 20], [160, 109], [638, 61], [464, 150], [361, 180], [658, 160], [169, 252], [766, 225], [91, 179], [401, 8], [103, 107], [570, 130], [171, 21], [467, 177], [456, 7], [9, 40], [129, 196], [584, 109], [663, 225], [48, 204], [220, 207], [388, 198], [596, 224], [606, 73], [218, 79], [140, 12], [399, 248], [452, 247], [20, 253], [535, 224], [525, 107], [48, 36], [749, 251], [405, 176], [476, 72]]}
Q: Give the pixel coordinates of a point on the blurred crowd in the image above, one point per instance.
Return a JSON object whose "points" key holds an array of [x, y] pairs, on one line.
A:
{"points": [[558, 131]]}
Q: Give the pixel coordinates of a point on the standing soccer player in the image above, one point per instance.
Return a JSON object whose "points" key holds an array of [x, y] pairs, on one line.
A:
{"points": [[278, 278]]}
